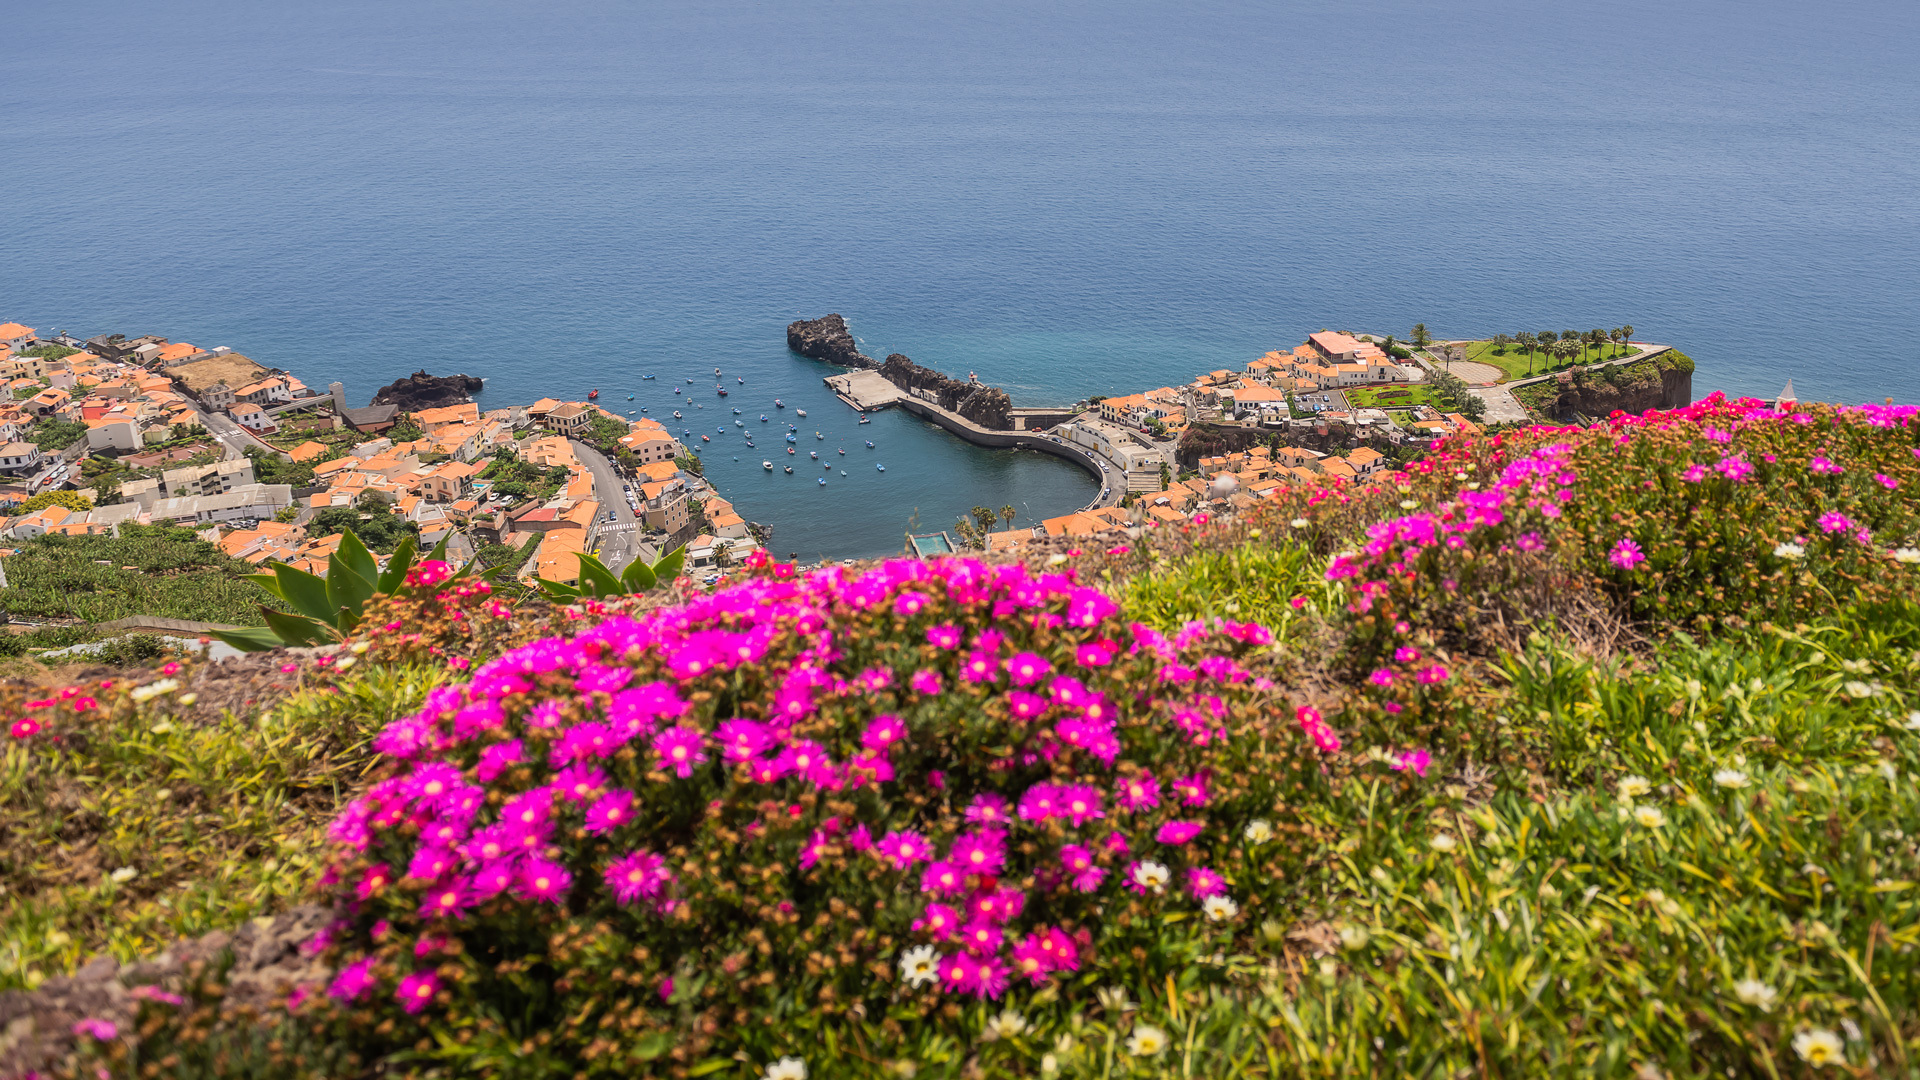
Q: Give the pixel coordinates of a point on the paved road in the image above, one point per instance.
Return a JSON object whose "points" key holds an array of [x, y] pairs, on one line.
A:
{"points": [[618, 545]]}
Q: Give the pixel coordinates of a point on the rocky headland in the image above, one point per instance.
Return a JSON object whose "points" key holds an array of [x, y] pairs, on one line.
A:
{"points": [[827, 338], [423, 391], [988, 406]]}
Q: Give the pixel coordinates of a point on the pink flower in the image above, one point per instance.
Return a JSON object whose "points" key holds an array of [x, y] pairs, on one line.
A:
{"points": [[447, 900], [946, 636], [981, 852], [1039, 803], [926, 681], [807, 759], [416, 990], [1094, 654], [96, 1028], [353, 981], [1626, 554], [1433, 673], [1202, 883], [981, 667], [989, 809], [1405, 655], [1694, 474], [1317, 729], [640, 875], [1080, 803], [1835, 522], [1078, 862], [998, 905], [1415, 761], [1136, 793], [24, 728], [579, 783], [903, 849], [1381, 677], [981, 938], [743, 740], [943, 878], [1028, 668], [883, 732], [1735, 468], [1824, 467], [1192, 789], [678, 748], [1026, 706], [543, 879], [1887, 482], [496, 759], [938, 921], [1179, 832], [609, 812]]}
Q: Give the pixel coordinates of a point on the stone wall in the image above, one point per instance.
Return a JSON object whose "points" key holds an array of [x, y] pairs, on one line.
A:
{"points": [[987, 406]]}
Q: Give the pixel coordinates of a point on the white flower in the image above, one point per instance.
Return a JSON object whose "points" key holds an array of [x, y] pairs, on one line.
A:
{"points": [[1789, 551], [1913, 720], [1409, 504], [1854, 688], [787, 1068], [188, 699], [1049, 1065], [1730, 778], [1259, 831], [143, 694], [1755, 993], [1300, 523], [920, 965], [1632, 787], [1906, 555], [1146, 1041], [360, 647], [1442, 842], [1151, 876], [1056, 559], [348, 661], [1006, 1025], [1219, 908], [1819, 1048], [1649, 816], [124, 874], [1354, 937]]}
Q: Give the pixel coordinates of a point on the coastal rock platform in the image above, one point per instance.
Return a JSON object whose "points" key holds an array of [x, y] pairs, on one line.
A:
{"points": [[827, 338], [423, 391]]}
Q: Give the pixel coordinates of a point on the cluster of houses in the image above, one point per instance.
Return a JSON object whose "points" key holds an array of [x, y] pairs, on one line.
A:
{"points": [[134, 393]]}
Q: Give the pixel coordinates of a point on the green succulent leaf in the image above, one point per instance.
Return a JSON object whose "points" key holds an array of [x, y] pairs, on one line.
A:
{"points": [[596, 579], [670, 564], [395, 575], [297, 629], [638, 577], [306, 592], [356, 557], [249, 639]]}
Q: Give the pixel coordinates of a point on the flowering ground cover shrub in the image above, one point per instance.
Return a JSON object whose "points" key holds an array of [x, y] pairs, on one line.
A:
{"points": [[865, 809], [128, 820]]}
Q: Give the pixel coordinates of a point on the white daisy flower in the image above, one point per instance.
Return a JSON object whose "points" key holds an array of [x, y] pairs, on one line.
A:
{"points": [[1442, 842], [1259, 831], [1730, 778], [1632, 787], [1006, 1025], [1146, 1041], [1819, 1048], [1755, 993], [1909, 556], [1300, 523], [1649, 816], [143, 694], [920, 965], [1219, 908], [1151, 876], [787, 1068], [1790, 552]]}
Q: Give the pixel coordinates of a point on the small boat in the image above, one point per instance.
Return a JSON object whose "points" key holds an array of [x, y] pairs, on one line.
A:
{"points": [[778, 404], [646, 376], [716, 373], [817, 435], [767, 465], [843, 451], [591, 394], [721, 430], [736, 410], [723, 391], [676, 389], [629, 397], [814, 455], [643, 408], [763, 418], [882, 468], [843, 472], [789, 470], [869, 441], [738, 424], [676, 414], [706, 438], [823, 481], [864, 420], [739, 380], [789, 449], [790, 438], [800, 412], [827, 465], [689, 380]]}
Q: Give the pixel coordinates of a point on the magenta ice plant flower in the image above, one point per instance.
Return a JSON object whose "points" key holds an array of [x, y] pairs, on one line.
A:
{"points": [[416, 991], [1626, 554], [1176, 833], [678, 749]]}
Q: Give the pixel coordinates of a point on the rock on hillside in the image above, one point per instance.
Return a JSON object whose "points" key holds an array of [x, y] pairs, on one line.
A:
{"points": [[827, 338], [423, 391], [987, 406], [1662, 382]]}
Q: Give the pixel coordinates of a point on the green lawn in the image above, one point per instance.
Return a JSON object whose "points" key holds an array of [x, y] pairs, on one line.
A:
{"points": [[1397, 396], [1515, 361]]}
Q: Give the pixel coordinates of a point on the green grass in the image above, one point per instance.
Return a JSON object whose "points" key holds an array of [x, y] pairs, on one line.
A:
{"points": [[158, 570], [1514, 360], [1403, 396], [217, 822]]}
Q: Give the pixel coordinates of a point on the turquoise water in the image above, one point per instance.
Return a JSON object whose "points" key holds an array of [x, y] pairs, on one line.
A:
{"points": [[1068, 198]]}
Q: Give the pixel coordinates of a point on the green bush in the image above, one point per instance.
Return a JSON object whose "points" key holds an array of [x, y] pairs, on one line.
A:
{"points": [[157, 570]]}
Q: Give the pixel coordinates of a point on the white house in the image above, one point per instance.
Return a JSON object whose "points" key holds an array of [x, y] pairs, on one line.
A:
{"points": [[20, 457]]}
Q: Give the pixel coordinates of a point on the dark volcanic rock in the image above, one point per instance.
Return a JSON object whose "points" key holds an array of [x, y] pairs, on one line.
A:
{"points": [[423, 391], [987, 406], [827, 338], [1634, 388]]}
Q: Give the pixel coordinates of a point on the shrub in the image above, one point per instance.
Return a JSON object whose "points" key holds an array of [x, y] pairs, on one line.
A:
{"points": [[809, 810]]}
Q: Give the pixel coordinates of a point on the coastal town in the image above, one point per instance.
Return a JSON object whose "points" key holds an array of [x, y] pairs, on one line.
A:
{"points": [[109, 431]]}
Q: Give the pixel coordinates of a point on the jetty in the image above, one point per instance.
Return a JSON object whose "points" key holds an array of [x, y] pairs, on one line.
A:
{"points": [[865, 390]]}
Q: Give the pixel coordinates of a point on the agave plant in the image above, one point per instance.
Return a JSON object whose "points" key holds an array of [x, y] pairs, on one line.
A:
{"points": [[327, 609], [598, 583]]}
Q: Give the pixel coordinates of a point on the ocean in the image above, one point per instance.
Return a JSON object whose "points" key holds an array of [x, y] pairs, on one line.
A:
{"points": [[1067, 198]]}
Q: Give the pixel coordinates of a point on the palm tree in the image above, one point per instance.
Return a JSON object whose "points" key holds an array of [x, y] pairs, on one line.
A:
{"points": [[1419, 336], [986, 518], [1599, 338], [1500, 343], [1006, 515], [1566, 348], [1526, 340], [1626, 334]]}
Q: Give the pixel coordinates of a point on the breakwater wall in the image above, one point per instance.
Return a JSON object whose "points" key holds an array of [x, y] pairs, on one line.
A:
{"points": [[1007, 440]]}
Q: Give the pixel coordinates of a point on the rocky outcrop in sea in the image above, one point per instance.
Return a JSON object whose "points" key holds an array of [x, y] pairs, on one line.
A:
{"points": [[423, 391], [827, 338], [985, 405]]}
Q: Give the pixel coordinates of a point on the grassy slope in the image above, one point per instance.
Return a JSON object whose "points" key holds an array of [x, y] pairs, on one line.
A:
{"points": [[1514, 360]]}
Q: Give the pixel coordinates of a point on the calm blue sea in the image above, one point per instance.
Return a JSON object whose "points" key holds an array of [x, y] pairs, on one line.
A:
{"points": [[1069, 198]]}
